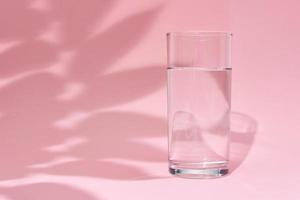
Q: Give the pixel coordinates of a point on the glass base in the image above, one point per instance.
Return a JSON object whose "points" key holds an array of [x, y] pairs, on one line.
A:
{"points": [[198, 172]]}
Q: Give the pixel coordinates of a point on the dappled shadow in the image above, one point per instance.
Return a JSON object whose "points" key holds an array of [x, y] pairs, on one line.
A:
{"points": [[119, 87], [53, 87], [107, 47], [111, 135], [45, 191], [19, 21]]}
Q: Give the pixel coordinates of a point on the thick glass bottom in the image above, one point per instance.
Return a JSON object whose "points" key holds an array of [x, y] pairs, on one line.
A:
{"points": [[200, 171]]}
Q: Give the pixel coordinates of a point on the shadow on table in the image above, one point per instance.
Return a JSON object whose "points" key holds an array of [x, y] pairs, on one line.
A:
{"points": [[45, 191], [55, 92]]}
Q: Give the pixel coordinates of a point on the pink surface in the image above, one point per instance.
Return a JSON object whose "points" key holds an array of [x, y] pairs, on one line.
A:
{"points": [[83, 99]]}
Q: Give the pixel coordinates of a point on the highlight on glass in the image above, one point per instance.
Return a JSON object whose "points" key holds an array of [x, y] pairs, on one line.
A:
{"points": [[199, 90]]}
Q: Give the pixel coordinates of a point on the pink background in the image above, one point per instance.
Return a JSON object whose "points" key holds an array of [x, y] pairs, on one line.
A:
{"points": [[83, 98]]}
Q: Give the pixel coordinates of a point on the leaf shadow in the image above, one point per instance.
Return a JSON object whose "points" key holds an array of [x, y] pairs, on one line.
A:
{"points": [[15, 11], [79, 19], [113, 135], [45, 191], [30, 105], [119, 87], [107, 47]]}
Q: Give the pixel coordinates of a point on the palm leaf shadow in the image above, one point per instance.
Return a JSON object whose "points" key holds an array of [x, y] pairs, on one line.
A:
{"points": [[92, 57], [120, 87], [113, 135], [79, 18], [106, 48], [45, 191], [30, 54]]}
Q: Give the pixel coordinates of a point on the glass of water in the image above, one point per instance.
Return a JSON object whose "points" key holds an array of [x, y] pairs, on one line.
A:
{"points": [[199, 87]]}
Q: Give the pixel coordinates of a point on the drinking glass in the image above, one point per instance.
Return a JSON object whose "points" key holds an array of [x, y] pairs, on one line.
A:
{"points": [[199, 87]]}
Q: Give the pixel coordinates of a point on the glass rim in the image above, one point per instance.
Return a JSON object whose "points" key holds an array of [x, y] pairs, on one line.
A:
{"points": [[199, 33]]}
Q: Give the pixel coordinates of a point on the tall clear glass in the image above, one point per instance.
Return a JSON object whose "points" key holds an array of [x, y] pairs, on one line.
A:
{"points": [[199, 87]]}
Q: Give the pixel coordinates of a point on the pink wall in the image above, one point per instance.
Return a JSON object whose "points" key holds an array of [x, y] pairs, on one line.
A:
{"points": [[82, 98], [266, 86]]}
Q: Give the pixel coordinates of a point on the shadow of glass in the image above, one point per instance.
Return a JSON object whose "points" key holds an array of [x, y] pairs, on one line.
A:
{"points": [[243, 130]]}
